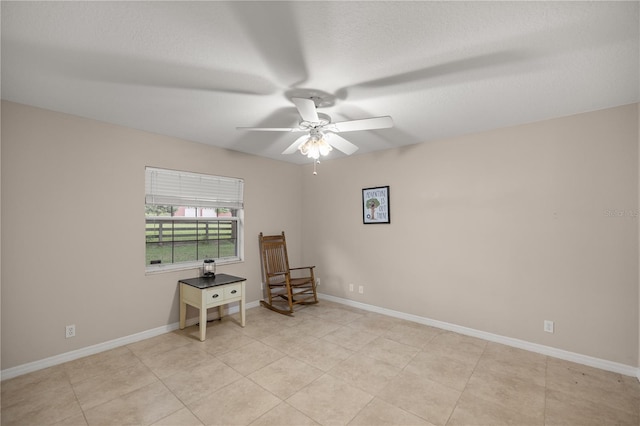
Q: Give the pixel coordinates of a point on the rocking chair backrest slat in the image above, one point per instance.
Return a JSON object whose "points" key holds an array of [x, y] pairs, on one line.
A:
{"points": [[274, 250]]}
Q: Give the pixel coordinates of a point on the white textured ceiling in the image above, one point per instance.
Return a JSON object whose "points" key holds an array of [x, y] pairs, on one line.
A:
{"points": [[197, 70]]}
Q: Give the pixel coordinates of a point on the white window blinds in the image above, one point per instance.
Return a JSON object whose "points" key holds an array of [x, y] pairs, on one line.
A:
{"points": [[171, 187]]}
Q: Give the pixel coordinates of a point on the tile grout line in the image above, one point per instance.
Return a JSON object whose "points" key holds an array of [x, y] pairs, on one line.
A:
{"points": [[165, 386], [484, 349], [73, 389], [546, 390]]}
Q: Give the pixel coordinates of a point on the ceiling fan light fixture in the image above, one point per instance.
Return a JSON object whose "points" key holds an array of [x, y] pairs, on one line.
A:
{"points": [[324, 147], [315, 146]]}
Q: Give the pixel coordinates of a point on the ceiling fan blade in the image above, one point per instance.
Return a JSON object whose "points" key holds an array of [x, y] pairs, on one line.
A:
{"points": [[364, 124], [271, 129], [94, 66], [472, 66], [294, 146], [340, 143], [307, 109], [273, 29]]}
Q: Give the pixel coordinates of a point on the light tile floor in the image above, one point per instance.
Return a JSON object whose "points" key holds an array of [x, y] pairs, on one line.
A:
{"points": [[329, 365]]}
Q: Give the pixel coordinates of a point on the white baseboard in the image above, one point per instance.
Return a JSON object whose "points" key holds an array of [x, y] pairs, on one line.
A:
{"points": [[602, 364], [105, 346]]}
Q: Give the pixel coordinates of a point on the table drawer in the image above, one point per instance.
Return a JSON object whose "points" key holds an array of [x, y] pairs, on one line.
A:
{"points": [[233, 291], [215, 295]]}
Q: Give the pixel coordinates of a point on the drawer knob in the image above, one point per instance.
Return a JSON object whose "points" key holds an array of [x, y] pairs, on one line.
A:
{"points": [[214, 296], [234, 291]]}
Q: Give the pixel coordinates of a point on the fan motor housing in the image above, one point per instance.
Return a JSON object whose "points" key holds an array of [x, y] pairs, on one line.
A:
{"points": [[320, 98], [324, 119]]}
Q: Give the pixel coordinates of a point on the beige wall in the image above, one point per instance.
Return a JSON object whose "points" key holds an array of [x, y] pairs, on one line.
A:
{"points": [[73, 228], [496, 231]]}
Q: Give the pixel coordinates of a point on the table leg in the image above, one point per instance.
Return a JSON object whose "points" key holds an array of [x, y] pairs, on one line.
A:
{"points": [[183, 310], [242, 306], [220, 312], [203, 323]]}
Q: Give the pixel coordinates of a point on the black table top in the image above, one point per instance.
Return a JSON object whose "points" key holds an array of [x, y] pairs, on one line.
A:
{"points": [[206, 282]]}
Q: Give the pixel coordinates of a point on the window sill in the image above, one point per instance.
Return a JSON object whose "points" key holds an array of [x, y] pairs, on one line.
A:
{"points": [[160, 269]]}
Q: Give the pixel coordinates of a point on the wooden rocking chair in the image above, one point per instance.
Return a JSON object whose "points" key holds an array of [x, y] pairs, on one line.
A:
{"points": [[284, 287]]}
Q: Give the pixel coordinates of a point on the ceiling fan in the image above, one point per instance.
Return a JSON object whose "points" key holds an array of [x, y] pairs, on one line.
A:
{"points": [[321, 133]]}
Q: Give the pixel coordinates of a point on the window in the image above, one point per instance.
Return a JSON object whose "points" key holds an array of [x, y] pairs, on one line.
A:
{"points": [[190, 217]]}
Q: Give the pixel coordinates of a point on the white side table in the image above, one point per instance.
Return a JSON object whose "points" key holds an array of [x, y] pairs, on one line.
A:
{"points": [[206, 292]]}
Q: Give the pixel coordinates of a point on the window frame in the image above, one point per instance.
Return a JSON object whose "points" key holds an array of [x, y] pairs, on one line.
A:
{"points": [[177, 266]]}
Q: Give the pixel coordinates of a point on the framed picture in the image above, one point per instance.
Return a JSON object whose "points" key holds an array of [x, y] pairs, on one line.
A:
{"points": [[375, 205]]}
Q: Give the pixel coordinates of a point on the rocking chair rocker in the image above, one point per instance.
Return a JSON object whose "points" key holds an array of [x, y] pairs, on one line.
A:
{"points": [[284, 287]]}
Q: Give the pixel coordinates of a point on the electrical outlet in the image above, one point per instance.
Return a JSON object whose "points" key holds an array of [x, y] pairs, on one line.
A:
{"points": [[361, 289], [548, 326], [350, 287], [70, 331]]}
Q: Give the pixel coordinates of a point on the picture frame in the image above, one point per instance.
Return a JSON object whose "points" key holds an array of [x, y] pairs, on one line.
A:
{"points": [[376, 208]]}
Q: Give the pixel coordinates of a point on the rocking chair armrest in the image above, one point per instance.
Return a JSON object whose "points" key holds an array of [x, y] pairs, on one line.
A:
{"points": [[302, 267]]}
